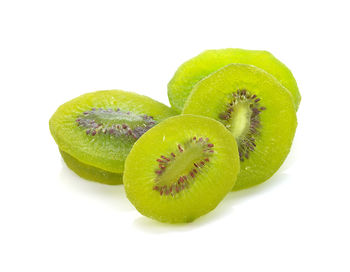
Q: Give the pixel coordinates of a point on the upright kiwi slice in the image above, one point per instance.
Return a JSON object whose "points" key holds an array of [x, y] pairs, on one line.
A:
{"points": [[209, 61], [96, 131], [181, 168], [256, 109]]}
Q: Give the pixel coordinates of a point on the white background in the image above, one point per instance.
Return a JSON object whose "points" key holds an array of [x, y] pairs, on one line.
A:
{"points": [[52, 220]]}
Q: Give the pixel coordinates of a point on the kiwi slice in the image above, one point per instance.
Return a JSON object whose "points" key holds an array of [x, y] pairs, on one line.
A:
{"points": [[192, 71], [96, 131], [90, 172], [181, 169], [256, 109]]}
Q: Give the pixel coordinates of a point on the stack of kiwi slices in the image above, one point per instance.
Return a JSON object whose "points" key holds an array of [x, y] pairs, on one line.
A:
{"points": [[96, 131], [230, 127]]}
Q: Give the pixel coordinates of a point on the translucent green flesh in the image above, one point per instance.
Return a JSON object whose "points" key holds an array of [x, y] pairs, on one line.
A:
{"points": [[91, 173], [182, 165], [103, 151], [278, 121], [132, 119], [239, 122], [194, 70], [207, 190]]}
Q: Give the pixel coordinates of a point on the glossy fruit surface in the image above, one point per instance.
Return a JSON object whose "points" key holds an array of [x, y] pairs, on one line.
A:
{"points": [[98, 129], [90, 172], [256, 109], [197, 68], [181, 169]]}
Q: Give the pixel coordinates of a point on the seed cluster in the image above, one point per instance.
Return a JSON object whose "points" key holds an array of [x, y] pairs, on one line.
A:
{"points": [[246, 142], [115, 122], [184, 181]]}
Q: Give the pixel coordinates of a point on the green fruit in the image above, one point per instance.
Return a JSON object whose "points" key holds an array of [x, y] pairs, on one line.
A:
{"points": [[181, 169], [192, 71], [90, 172], [98, 129], [256, 109]]}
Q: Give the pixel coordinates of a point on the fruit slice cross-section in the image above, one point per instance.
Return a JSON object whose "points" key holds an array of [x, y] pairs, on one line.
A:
{"points": [[96, 131], [256, 109], [181, 169], [209, 61]]}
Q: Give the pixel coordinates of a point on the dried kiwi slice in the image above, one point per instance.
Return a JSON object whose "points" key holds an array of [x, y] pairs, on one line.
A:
{"points": [[192, 71], [181, 169], [256, 109], [96, 131], [90, 172]]}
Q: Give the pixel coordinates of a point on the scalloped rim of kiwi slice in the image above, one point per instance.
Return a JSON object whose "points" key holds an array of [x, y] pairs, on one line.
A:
{"points": [[181, 168], [209, 61], [102, 150], [264, 131]]}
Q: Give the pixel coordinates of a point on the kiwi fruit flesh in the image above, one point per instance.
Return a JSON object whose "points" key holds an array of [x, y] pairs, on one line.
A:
{"points": [[181, 168], [197, 68], [256, 109], [90, 172], [96, 131]]}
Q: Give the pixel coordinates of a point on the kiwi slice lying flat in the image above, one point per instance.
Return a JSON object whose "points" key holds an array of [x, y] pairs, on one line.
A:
{"points": [[90, 172], [256, 109], [96, 131], [192, 71], [181, 168]]}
